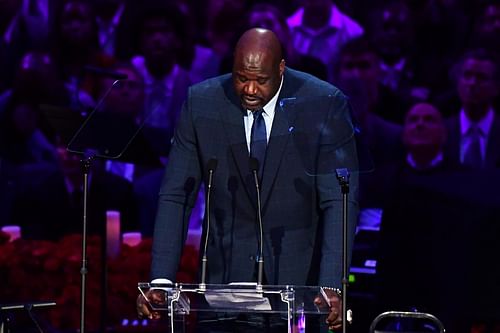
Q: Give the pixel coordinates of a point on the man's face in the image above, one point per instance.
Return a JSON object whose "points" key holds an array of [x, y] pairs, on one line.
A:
{"points": [[491, 19], [159, 41], [423, 127], [476, 83], [256, 78], [127, 96], [360, 71], [76, 23], [393, 30]]}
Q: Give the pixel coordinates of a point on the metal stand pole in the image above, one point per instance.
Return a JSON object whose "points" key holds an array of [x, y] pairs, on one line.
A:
{"points": [[86, 163], [343, 178]]}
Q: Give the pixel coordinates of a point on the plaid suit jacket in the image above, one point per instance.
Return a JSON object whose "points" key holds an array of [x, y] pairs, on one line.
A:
{"points": [[301, 199]]}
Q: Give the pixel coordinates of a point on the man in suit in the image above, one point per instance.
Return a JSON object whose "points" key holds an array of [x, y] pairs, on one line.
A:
{"points": [[301, 203], [474, 134]]}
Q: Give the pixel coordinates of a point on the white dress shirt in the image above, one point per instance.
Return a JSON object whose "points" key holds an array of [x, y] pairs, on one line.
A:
{"points": [[268, 115]]}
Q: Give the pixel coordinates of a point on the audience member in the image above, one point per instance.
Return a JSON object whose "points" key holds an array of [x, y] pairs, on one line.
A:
{"points": [[319, 29], [25, 132], [166, 82], [110, 19], [358, 75], [75, 46], [10, 48], [55, 202], [223, 24], [400, 68], [474, 134], [201, 61], [424, 137], [487, 26], [270, 17]]}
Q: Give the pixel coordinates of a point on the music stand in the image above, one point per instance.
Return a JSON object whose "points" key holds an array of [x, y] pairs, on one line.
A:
{"points": [[5, 319], [110, 135]]}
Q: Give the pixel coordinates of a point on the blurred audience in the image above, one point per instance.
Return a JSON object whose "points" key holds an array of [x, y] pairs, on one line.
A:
{"points": [[403, 64]]}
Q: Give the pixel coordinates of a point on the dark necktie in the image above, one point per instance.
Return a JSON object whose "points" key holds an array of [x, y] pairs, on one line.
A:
{"points": [[258, 140], [472, 155]]}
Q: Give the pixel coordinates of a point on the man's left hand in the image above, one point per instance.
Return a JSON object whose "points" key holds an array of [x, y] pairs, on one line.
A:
{"points": [[334, 302]]}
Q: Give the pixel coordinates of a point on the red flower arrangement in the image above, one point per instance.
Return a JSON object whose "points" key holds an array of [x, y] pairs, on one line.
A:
{"points": [[41, 271]]}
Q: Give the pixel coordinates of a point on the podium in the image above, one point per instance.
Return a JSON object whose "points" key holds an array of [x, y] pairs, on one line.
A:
{"points": [[288, 303]]}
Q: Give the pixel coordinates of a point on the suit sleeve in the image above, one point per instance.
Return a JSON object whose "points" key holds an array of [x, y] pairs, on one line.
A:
{"points": [[177, 197], [330, 197]]}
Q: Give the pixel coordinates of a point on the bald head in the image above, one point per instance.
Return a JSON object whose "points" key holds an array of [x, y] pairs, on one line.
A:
{"points": [[258, 67], [259, 40]]}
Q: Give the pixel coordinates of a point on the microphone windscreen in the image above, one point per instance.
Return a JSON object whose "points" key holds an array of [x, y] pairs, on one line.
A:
{"points": [[212, 164], [253, 163]]}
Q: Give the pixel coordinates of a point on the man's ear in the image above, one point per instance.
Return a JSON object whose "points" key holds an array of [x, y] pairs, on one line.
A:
{"points": [[282, 67]]}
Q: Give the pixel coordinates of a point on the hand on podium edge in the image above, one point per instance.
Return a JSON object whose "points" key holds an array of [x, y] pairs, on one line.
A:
{"points": [[144, 309], [331, 299]]}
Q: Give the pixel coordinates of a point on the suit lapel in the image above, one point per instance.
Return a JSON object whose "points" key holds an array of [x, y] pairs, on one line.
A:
{"points": [[278, 141], [231, 116]]}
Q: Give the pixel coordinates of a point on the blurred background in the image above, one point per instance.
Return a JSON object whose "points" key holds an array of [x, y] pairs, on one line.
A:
{"points": [[423, 78]]}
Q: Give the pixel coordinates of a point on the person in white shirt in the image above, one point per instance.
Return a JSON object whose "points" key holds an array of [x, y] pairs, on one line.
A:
{"points": [[319, 29]]}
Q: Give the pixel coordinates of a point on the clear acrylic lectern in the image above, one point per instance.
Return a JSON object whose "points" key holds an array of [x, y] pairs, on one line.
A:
{"points": [[291, 303]]}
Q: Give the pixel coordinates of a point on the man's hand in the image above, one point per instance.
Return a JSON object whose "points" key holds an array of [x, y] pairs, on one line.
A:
{"points": [[154, 296], [333, 301]]}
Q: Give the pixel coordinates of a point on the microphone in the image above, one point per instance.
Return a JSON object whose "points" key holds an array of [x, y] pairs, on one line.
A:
{"points": [[105, 72], [254, 168], [211, 166]]}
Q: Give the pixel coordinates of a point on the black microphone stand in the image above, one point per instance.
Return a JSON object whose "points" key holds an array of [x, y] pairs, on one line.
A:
{"points": [[212, 165], [343, 178], [86, 163], [254, 167]]}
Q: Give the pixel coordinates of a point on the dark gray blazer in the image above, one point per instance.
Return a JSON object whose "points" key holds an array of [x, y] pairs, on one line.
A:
{"points": [[301, 203]]}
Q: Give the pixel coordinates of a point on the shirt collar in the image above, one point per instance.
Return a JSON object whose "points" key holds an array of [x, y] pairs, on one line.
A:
{"points": [[271, 105], [335, 18], [398, 67], [435, 162], [483, 124]]}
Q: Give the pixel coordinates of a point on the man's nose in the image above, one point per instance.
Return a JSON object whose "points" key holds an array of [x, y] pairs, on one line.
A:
{"points": [[251, 88]]}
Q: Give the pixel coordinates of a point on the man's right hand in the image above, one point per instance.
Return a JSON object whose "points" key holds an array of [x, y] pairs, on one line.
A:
{"points": [[144, 309]]}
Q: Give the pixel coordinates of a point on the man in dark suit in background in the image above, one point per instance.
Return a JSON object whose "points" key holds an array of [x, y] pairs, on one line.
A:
{"points": [[301, 204], [474, 134]]}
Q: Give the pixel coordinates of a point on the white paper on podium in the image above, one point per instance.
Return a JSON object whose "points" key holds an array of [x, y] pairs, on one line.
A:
{"points": [[238, 299]]}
